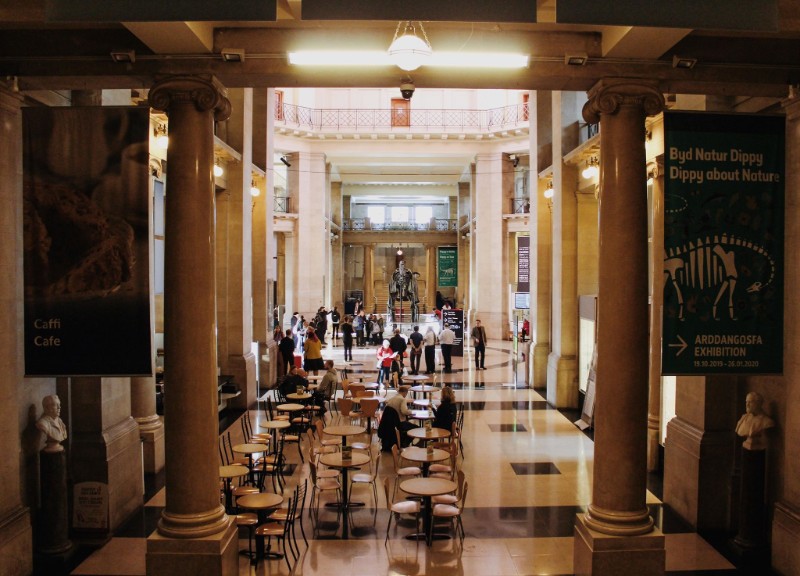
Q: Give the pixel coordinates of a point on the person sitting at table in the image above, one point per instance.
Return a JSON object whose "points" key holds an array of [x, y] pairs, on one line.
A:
{"points": [[445, 414], [399, 405], [296, 377], [326, 387]]}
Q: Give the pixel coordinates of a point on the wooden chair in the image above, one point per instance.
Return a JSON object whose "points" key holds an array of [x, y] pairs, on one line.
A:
{"points": [[356, 389], [453, 512], [369, 409], [454, 497], [325, 440], [320, 485], [400, 507], [401, 471], [447, 471], [368, 477], [281, 531], [346, 410]]}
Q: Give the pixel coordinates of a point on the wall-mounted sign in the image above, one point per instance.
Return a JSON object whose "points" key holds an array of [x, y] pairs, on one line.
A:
{"points": [[447, 266], [523, 263], [723, 243], [86, 222]]}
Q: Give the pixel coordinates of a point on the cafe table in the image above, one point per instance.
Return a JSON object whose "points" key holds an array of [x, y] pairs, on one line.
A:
{"points": [[344, 431], [427, 488], [420, 415], [338, 460], [428, 434], [262, 504], [299, 397], [424, 456], [274, 425], [417, 378], [290, 407], [228, 473], [424, 389], [249, 449]]}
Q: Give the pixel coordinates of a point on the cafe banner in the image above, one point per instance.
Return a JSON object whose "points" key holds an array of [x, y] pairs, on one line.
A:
{"points": [[448, 266], [523, 263], [723, 244], [87, 236]]}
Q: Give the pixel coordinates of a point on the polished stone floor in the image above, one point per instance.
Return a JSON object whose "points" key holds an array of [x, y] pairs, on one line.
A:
{"points": [[529, 470]]}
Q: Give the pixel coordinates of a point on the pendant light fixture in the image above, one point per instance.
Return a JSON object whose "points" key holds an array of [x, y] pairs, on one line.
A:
{"points": [[408, 51]]}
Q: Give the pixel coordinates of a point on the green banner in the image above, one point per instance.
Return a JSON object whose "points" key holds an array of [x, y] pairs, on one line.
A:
{"points": [[723, 244], [448, 266]]}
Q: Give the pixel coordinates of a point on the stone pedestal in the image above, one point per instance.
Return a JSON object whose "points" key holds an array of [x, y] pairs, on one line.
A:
{"points": [[752, 509], [214, 555], [53, 526], [604, 555]]}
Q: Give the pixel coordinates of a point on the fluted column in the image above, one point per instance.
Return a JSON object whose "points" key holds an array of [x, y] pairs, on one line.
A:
{"points": [[151, 429], [193, 508], [618, 509], [369, 278], [16, 541], [656, 170], [786, 521]]}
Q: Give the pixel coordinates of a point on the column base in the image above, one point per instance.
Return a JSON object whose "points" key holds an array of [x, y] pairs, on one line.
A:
{"points": [[786, 539], [603, 555], [243, 369], [562, 371], [215, 555], [541, 350], [153, 449]]}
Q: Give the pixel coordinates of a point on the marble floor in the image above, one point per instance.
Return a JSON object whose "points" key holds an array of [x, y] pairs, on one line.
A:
{"points": [[529, 470]]}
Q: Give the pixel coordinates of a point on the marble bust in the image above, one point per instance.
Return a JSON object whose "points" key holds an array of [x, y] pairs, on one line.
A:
{"points": [[754, 423], [51, 424]]}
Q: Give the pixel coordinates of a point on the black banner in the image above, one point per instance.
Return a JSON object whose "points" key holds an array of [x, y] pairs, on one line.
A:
{"points": [[87, 237], [454, 318], [523, 263]]}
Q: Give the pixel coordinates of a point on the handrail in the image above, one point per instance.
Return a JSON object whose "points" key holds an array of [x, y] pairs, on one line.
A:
{"points": [[366, 119], [438, 225]]}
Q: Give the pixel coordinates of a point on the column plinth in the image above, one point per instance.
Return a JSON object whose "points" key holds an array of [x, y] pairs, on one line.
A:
{"points": [[191, 422], [618, 506]]}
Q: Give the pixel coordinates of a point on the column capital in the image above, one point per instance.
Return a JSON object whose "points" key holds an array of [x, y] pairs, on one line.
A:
{"points": [[791, 106], [206, 93], [611, 94]]}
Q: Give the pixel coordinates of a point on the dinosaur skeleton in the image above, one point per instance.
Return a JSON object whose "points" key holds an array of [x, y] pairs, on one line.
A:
{"points": [[708, 263]]}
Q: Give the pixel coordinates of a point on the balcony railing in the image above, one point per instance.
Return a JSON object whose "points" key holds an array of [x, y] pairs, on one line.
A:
{"points": [[281, 205], [446, 120], [437, 225]]}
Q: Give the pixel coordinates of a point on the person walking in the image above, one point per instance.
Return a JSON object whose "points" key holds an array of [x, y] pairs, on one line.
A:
{"points": [[430, 351], [347, 338], [478, 335], [286, 347], [446, 339]]}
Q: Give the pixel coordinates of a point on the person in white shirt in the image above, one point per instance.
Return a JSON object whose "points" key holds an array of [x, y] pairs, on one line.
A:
{"points": [[430, 351], [446, 339]]}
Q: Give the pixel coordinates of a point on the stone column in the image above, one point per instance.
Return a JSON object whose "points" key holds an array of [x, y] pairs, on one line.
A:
{"points": [[193, 509], [337, 257], [656, 171], [494, 183], [542, 264], [234, 262], [616, 535], [151, 429], [16, 543], [369, 278], [786, 519], [307, 185], [562, 362]]}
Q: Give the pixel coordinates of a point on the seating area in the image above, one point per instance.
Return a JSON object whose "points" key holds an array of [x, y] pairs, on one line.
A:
{"points": [[534, 460]]}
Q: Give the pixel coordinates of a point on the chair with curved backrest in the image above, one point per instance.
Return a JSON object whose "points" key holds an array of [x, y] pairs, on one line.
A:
{"points": [[345, 406], [456, 496], [453, 512], [369, 410], [401, 471], [320, 485], [282, 514], [356, 389], [282, 531], [368, 477], [400, 507], [324, 439], [447, 471], [345, 383]]}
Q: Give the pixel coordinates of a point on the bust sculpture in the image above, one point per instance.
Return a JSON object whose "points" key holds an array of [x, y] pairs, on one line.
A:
{"points": [[754, 423], [51, 424]]}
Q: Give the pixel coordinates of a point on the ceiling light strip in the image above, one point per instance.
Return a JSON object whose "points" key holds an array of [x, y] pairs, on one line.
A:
{"points": [[324, 58]]}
